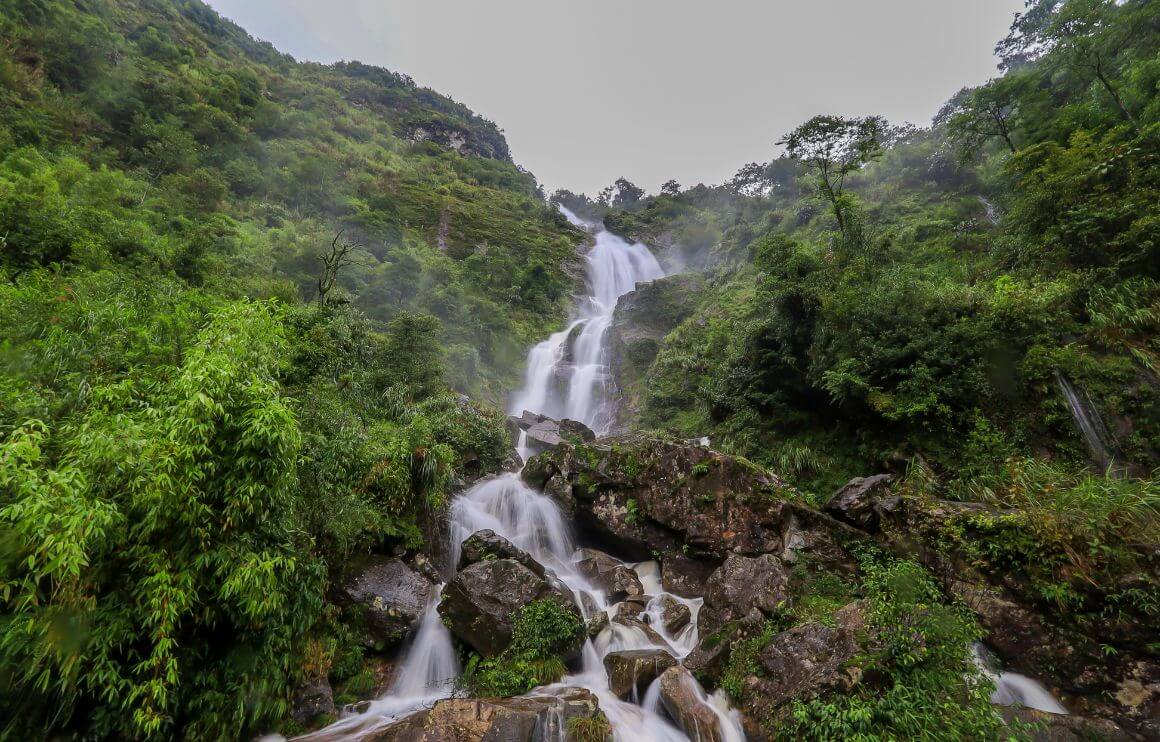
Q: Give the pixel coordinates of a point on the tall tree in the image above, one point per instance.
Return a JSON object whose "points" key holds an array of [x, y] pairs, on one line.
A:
{"points": [[833, 147], [976, 115]]}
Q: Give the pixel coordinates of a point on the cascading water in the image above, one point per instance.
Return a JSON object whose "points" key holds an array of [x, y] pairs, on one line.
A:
{"points": [[567, 376]]}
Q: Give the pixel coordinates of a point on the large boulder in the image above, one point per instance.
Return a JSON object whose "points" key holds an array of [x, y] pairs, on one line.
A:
{"points": [[533, 718], [864, 502], [710, 657], [616, 579], [632, 671], [392, 596], [312, 699], [684, 576], [487, 544], [481, 603], [684, 701], [544, 433], [675, 615], [642, 494], [741, 585]]}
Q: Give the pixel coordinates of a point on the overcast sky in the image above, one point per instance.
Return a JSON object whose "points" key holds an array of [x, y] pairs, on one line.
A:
{"points": [[652, 89]]}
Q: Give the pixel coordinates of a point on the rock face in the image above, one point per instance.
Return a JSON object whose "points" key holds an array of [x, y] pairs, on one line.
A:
{"points": [[743, 584], [686, 577], [642, 494], [683, 702], [487, 544], [863, 502], [519, 719], [480, 604], [641, 320], [631, 672], [392, 595], [675, 616]]}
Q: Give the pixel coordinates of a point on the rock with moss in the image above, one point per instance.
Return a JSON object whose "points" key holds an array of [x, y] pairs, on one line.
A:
{"points": [[632, 671], [481, 603], [684, 702], [743, 584], [390, 595], [528, 718]]}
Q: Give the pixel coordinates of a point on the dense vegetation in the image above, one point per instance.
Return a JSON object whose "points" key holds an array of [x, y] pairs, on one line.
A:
{"points": [[236, 293], [883, 293]]}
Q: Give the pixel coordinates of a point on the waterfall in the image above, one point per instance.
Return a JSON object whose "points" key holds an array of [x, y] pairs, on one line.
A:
{"points": [[567, 376], [1013, 689], [1090, 424]]}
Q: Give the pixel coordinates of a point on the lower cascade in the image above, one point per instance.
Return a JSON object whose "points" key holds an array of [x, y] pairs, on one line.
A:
{"points": [[567, 376]]}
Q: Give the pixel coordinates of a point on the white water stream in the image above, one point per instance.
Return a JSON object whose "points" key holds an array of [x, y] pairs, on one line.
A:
{"points": [[567, 376]]}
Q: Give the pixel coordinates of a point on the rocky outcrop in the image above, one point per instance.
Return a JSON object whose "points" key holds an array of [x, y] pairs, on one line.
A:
{"points": [[743, 584], [643, 494], [520, 719], [864, 502], [686, 577], [631, 672], [544, 433], [480, 604], [683, 701], [810, 659], [391, 595], [640, 322], [487, 544]]}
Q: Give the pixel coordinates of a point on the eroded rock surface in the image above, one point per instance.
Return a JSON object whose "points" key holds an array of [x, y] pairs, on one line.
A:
{"points": [[392, 595], [743, 584], [631, 672]]}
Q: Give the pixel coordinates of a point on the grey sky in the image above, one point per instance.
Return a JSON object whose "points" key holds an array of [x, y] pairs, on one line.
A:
{"points": [[652, 89]]}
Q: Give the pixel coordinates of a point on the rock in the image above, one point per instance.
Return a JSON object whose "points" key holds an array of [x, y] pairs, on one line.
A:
{"points": [[617, 580], [710, 657], [532, 718], [487, 544], [597, 623], [641, 494], [392, 595], [642, 319], [740, 585], [674, 615], [808, 660], [422, 564], [682, 700], [312, 700], [480, 604], [1066, 728], [649, 632], [544, 433], [631, 672], [512, 463], [686, 577], [863, 501]]}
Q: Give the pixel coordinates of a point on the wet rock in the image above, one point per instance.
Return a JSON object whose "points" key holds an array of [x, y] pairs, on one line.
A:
{"points": [[312, 700], [684, 576], [674, 615], [544, 433], [392, 596], [487, 544], [520, 719], [864, 502], [617, 580], [631, 672], [422, 564], [649, 632], [480, 604], [597, 623], [682, 700], [513, 462], [740, 585]]}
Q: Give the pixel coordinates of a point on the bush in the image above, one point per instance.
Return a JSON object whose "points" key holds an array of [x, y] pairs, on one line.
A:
{"points": [[542, 630]]}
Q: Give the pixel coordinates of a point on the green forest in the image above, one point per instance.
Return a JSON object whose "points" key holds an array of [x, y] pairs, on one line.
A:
{"points": [[259, 318]]}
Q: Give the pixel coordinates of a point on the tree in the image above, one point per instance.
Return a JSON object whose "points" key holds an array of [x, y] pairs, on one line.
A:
{"points": [[621, 193], [834, 147], [670, 188], [976, 115], [334, 260], [1087, 36]]}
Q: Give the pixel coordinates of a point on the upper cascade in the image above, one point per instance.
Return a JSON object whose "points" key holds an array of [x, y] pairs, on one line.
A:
{"points": [[567, 374]]}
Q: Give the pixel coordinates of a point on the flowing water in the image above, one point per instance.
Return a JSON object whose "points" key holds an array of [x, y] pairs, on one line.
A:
{"points": [[1091, 425], [1013, 689], [567, 376]]}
